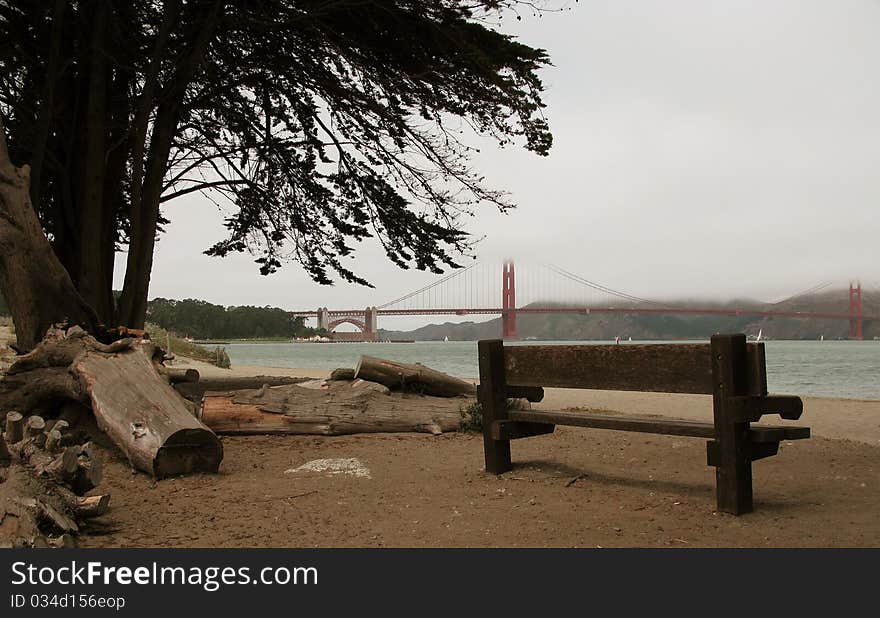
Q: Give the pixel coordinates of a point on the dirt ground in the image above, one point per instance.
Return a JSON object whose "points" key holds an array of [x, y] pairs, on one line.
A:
{"points": [[576, 488]]}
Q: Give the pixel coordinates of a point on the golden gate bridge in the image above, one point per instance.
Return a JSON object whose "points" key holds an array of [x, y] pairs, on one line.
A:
{"points": [[473, 290]]}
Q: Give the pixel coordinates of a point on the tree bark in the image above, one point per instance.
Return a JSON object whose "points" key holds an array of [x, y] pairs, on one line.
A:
{"points": [[416, 378], [92, 277], [340, 408], [37, 288]]}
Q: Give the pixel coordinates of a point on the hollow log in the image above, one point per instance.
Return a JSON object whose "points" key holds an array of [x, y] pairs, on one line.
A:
{"points": [[341, 408], [414, 378]]}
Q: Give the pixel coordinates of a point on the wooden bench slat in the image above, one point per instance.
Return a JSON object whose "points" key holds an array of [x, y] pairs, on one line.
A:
{"points": [[534, 394], [778, 433], [673, 427], [514, 430], [663, 367]]}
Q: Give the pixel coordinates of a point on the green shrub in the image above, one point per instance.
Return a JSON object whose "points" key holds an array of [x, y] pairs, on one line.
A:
{"points": [[221, 358], [471, 418]]}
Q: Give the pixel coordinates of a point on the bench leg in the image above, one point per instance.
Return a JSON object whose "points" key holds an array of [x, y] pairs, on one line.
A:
{"points": [[733, 479], [733, 472], [493, 401]]}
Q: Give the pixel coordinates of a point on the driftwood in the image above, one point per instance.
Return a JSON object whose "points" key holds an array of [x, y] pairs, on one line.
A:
{"points": [[194, 391], [41, 485], [415, 378], [338, 408], [131, 400]]}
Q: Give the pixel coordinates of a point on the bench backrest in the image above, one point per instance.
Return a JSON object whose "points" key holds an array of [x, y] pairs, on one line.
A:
{"points": [[668, 368]]}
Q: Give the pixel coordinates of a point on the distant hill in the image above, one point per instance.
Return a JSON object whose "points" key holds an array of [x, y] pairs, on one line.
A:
{"points": [[561, 327]]}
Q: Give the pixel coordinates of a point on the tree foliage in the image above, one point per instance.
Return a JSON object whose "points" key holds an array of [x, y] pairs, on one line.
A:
{"points": [[202, 320], [317, 123]]}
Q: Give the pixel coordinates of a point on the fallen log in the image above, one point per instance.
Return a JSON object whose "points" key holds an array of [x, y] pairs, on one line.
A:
{"points": [[414, 378], [131, 401], [341, 408], [144, 416], [193, 391]]}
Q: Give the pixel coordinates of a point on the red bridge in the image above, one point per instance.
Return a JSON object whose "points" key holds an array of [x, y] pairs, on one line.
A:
{"points": [[469, 291]]}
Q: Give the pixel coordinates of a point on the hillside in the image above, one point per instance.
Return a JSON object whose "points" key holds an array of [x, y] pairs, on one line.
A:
{"points": [[561, 327]]}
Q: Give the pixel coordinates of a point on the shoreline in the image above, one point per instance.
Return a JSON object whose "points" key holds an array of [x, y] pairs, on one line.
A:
{"points": [[829, 417]]}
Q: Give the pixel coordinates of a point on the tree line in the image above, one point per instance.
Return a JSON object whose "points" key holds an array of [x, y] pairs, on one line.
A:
{"points": [[200, 319]]}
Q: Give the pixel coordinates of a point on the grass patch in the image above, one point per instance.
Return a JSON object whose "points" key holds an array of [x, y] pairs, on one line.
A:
{"points": [[182, 347]]}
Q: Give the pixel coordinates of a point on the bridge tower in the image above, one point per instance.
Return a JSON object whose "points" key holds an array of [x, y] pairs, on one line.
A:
{"points": [[323, 318], [371, 321], [508, 301], [855, 312]]}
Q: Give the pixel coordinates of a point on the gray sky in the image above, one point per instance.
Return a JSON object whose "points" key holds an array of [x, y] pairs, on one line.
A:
{"points": [[702, 149]]}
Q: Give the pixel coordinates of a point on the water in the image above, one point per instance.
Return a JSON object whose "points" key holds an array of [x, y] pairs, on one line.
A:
{"points": [[848, 369]]}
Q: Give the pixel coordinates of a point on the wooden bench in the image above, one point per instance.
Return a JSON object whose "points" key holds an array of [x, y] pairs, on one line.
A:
{"points": [[731, 370]]}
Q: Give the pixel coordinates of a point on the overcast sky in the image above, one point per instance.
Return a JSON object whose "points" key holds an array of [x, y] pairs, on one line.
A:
{"points": [[702, 149]]}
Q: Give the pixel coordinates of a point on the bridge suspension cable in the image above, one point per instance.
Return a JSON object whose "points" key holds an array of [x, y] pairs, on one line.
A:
{"points": [[598, 286], [810, 290], [448, 277]]}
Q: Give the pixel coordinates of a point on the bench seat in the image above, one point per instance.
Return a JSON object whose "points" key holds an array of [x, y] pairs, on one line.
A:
{"points": [[672, 427]]}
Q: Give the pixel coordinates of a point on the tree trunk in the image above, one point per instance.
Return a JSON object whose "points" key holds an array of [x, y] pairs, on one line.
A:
{"points": [[340, 408], [37, 288], [92, 277], [145, 207], [132, 402], [416, 378]]}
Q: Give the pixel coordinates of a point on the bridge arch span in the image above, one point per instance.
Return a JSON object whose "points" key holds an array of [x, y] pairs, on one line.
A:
{"points": [[347, 320]]}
